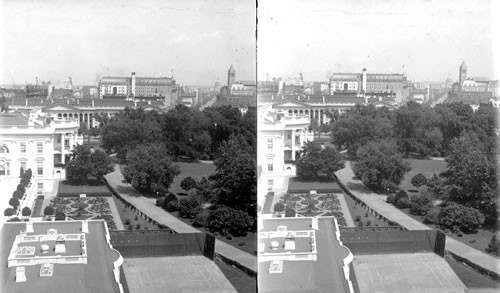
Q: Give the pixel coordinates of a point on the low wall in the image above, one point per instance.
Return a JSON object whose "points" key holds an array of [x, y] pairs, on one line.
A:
{"points": [[156, 243], [376, 242]]}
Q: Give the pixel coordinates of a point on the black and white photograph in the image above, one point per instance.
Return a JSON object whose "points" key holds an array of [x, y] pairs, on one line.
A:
{"points": [[249, 146]]}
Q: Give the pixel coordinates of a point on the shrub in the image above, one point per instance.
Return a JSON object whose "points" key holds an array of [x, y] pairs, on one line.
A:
{"points": [[9, 212], [201, 219], [170, 197], [28, 174], [357, 219], [432, 216], [401, 194], [14, 202], [279, 207], [127, 222], [368, 223], [48, 211], [494, 246], [360, 224], [160, 201], [456, 216], [188, 183], [403, 203], [290, 213], [390, 198], [21, 188], [26, 212], [420, 205], [366, 215], [60, 216], [419, 180], [188, 207], [25, 181], [171, 206], [225, 219], [17, 194]]}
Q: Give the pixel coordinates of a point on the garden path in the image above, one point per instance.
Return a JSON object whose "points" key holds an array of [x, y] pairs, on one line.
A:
{"points": [[378, 203], [146, 206]]}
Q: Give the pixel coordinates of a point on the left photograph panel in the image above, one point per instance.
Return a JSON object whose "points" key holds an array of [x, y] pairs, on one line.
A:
{"points": [[128, 146]]}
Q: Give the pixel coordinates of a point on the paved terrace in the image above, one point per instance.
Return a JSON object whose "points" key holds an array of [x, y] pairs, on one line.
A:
{"points": [[378, 203], [148, 207]]}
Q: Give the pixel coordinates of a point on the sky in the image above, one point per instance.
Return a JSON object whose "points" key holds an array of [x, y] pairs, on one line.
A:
{"points": [[196, 40], [426, 40]]}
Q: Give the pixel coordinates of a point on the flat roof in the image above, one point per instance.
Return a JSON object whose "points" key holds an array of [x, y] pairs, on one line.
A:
{"points": [[175, 274], [323, 273], [13, 119], [95, 276], [405, 272]]}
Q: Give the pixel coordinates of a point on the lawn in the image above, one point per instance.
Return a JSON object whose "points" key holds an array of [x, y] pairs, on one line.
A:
{"points": [[92, 188], [194, 170], [426, 167], [300, 185]]}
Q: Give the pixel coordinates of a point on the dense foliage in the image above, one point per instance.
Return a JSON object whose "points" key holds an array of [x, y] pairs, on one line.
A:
{"points": [[227, 220], [316, 162], [380, 165], [458, 217], [84, 163]]}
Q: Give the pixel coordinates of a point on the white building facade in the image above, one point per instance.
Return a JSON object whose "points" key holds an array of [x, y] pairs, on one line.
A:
{"points": [[37, 142]]}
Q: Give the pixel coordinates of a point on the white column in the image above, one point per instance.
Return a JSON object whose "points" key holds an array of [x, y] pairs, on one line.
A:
{"points": [[293, 144], [63, 157]]}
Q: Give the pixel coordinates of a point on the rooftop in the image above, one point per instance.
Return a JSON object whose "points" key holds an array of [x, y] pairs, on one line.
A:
{"points": [[13, 119], [313, 263], [96, 275]]}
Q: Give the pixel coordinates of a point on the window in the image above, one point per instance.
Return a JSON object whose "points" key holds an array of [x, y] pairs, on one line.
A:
{"points": [[39, 167], [23, 147], [3, 168], [270, 184], [269, 143], [66, 144], [4, 150], [270, 165], [39, 147], [39, 187]]}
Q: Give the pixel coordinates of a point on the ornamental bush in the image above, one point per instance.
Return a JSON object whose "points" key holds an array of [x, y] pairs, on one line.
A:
{"points": [[419, 180], [188, 183], [390, 198], [48, 211], [160, 201], [201, 219], [170, 197], [279, 207], [403, 203], [60, 216], [14, 202], [290, 213], [171, 206], [420, 205], [494, 246], [401, 194], [456, 216], [9, 212], [26, 212], [189, 207], [21, 188], [432, 216], [227, 220]]}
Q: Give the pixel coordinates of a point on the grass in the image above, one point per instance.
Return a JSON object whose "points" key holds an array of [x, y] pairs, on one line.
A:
{"points": [[301, 185], [480, 240], [471, 278], [69, 188], [193, 170], [426, 167], [241, 281], [357, 210]]}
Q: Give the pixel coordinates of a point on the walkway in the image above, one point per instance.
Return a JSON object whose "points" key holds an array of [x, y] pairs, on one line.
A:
{"points": [[377, 202], [147, 206]]}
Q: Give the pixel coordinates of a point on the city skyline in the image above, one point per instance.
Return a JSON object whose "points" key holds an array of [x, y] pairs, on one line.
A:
{"points": [[196, 41], [426, 40]]}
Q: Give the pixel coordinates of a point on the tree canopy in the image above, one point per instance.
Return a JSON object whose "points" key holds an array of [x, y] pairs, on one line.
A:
{"points": [[316, 162], [149, 168], [84, 163]]}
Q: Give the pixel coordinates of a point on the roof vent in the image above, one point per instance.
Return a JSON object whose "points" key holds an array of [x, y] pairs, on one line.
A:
{"points": [[276, 267], [47, 270], [20, 274]]}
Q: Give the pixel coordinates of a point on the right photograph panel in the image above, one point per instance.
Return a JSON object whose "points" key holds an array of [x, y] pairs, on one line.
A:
{"points": [[377, 146]]}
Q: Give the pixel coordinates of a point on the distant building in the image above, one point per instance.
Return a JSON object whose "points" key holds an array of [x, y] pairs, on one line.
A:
{"points": [[244, 88], [231, 76], [37, 91], [36, 141], [139, 88], [391, 85], [473, 90]]}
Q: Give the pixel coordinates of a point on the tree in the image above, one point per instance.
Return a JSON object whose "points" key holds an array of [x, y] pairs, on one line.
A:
{"points": [[84, 163], [471, 175], [419, 180], [188, 183], [235, 176], [26, 212], [17, 194], [279, 207], [14, 202], [458, 217], [494, 246], [21, 188], [289, 213], [380, 165], [48, 211], [315, 162], [189, 207], [150, 168], [60, 216], [225, 219], [420, 205], [8, 212]]}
